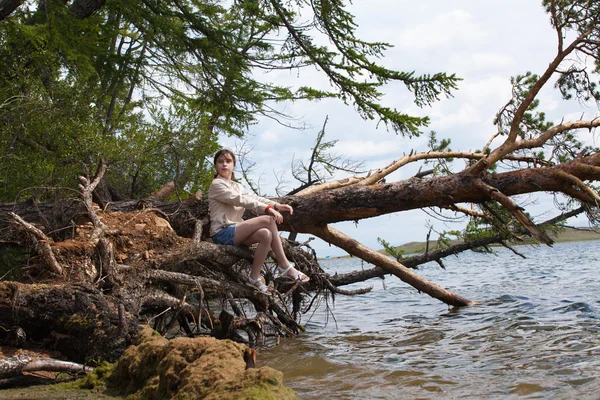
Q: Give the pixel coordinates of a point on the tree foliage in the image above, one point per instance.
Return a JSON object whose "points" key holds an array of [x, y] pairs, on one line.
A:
{"points": [[150, 85], [526, 139]]}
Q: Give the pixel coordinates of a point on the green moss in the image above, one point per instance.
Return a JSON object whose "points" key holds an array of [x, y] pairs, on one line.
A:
{"points": [[184, 368], [155, 368], [92, 386], [98, 377], [76, 322]]}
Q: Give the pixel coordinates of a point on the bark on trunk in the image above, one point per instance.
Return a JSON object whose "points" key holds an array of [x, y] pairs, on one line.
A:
{"points": [[359, 202]]}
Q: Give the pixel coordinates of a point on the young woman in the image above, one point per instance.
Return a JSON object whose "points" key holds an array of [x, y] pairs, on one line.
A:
{"points": [[227, 201]]}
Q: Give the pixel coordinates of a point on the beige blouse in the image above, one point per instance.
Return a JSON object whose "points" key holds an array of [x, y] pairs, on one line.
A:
{"points": [[227, 201]]}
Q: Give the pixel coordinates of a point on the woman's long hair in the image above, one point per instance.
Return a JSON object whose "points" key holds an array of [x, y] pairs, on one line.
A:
{"points": [[227, 153]]}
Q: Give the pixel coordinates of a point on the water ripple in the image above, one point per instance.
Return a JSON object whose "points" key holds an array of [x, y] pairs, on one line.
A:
{"points": [[534, 334]]}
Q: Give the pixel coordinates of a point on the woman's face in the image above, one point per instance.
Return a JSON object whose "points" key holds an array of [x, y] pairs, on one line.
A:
{"points": [[225, 166]]}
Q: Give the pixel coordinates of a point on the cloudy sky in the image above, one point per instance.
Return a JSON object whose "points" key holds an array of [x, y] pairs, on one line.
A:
{"points": [[483, 42]]}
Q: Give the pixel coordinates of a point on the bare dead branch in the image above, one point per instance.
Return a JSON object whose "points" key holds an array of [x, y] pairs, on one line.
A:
{"points": [[517, 211], [563, 216], [509, 144], [87, 188], [43, 243], [353, 247], [23, 363], [380, 174], [347, 292], [580, 184]]}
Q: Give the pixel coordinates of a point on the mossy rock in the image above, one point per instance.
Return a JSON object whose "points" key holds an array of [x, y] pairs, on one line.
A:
{"points": [[197, 368]]}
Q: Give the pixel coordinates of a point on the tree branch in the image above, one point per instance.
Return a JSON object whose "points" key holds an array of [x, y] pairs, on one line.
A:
{"points": [[43, 243], [353, 247], [515, 210]]}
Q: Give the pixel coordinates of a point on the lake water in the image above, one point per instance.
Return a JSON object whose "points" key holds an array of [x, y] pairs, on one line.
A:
{"points": [[535, 334]]}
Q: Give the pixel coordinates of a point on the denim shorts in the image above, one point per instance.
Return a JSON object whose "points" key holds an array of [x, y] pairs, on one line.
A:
{"points": [[225, 236]]}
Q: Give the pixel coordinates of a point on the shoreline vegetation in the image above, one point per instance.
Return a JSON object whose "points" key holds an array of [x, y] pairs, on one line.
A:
{"points": [[568, 234]]}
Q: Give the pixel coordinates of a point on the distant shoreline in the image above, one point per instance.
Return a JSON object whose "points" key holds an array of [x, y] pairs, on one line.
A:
{"points": [[569, 234]]}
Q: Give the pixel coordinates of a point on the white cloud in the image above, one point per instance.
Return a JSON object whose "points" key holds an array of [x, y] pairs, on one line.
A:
{"points": [[467, 118], [548, 102], [495, 89], [448, 28], [270, 137], [465, 62], [364, 149], [467, 114]]}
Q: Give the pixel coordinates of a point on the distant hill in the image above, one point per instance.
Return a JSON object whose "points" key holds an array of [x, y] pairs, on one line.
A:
{"points": [[569, 234]]}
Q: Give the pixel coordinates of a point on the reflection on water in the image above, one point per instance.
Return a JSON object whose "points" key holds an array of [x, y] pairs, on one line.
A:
{"points": [[535, 333]]}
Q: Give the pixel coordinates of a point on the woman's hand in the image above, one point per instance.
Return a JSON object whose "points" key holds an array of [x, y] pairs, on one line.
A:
{"points": [[276, 215], [284, 207]]}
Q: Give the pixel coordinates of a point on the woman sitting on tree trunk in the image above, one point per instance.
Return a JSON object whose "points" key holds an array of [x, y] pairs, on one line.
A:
{"points": [[227, 200]]}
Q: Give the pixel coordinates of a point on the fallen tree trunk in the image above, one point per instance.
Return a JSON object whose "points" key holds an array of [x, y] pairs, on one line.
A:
{"points": [[16, 365], [359, 202], [353, 202], [391, 266]]}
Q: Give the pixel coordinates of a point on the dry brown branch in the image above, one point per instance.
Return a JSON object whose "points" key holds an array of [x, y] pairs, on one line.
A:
{"points": [[107, 263], [43, 243], [330, 185], [197, 238], [563, 216], [467, 211], [165, 191], [489, 143], [159, 299], [555, 130], [580, 184], [353, 247], [502, 152], [510, 144], [498, 222], [517, 211], [347, 292], [378, 175]]}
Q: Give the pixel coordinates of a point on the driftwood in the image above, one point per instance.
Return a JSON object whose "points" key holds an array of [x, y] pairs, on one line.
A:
{"points": [[16, 365]]}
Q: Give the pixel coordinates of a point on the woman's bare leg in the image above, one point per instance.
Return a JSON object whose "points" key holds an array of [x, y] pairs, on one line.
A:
{"points": [[245, 230], [263, 237]]}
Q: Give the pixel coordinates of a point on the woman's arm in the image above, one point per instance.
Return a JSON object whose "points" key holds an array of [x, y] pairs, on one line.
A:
{"points": [[221, 191]]}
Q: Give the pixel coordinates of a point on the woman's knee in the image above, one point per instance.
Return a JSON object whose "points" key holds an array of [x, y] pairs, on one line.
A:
{"points": [[269, 222], [264, 235], [265, 221]]}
